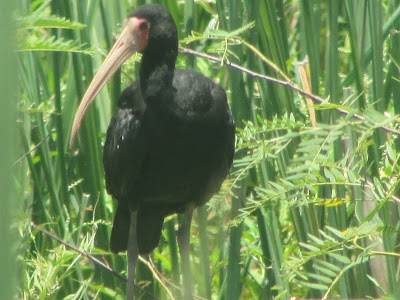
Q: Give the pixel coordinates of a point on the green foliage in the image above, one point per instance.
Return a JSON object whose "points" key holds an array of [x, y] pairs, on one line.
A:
{"points": [[31, 34], [311, 207], [51, 43], [8, 151]]}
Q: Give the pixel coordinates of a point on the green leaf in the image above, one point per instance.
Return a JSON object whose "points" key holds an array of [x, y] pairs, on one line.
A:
{"points": [[310, 247], [321, 278], [47, 21], [50, 43], [315, 286], [340, 258]]}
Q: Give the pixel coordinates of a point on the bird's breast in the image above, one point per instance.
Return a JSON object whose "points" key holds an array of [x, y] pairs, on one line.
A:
{"points": [[179, 148]]}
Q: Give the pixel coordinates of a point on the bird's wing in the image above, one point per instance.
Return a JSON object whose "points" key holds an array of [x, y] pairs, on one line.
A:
{"points": [[125, 149], [124, 153]]}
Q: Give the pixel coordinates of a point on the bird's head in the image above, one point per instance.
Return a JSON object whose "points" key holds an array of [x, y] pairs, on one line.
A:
{"points": [[149, 29], [162, 32]]}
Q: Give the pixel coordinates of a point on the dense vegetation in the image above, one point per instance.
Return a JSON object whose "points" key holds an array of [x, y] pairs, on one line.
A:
{"points": [[311, 207]]}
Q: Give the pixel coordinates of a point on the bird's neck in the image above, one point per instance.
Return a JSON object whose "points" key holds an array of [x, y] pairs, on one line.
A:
{"points": [[156, 74]]}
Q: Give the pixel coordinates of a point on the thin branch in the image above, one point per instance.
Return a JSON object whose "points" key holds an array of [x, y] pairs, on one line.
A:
{"points": [[84, 254], [288, 84], [31, 150], [93, 259]]}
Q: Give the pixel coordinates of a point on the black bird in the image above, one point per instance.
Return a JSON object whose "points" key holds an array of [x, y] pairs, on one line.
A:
{"points": [[169, 145]]}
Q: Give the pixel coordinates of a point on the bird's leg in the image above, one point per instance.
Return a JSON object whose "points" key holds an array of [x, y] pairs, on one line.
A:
{"points": [[133, 253], [184, 245]]}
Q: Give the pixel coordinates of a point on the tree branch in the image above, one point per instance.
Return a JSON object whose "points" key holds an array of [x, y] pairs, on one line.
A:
{"points": [[290, 85]]}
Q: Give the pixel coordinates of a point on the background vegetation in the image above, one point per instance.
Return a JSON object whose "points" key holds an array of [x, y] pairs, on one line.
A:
{"points": [[7, 150], [311, 208]]}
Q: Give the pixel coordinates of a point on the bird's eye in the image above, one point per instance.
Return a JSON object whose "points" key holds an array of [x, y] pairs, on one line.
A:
{"points": [[143, 25]]}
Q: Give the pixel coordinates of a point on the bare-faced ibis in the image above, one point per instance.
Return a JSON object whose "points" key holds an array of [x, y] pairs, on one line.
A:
{"points": [[170, 143]]}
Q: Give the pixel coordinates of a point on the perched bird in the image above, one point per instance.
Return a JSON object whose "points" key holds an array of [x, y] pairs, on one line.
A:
{"points": [[169, 145]]}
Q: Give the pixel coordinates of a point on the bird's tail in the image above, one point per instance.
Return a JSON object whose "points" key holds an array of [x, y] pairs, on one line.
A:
{"points": [[149, 224], [120, 230]]}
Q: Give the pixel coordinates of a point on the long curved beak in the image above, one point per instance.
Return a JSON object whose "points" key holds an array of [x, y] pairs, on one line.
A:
{"points": [[129, 42]]}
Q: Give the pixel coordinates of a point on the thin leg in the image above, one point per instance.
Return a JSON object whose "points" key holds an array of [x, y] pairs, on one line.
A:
{"points": [[133, 253], [184, 243]]}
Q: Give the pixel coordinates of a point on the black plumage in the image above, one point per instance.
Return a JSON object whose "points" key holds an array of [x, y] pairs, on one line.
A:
{"points": [[158, 157], [170, 143]]}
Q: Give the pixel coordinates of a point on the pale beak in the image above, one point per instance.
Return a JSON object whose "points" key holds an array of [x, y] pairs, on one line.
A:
{"points": [[131, 40]]}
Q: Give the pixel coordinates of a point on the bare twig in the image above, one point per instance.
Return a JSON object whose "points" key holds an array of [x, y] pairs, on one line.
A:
{"points": [[93, 259], [288, 84], [30, 150]]}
